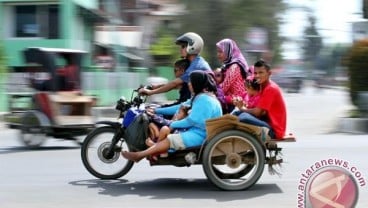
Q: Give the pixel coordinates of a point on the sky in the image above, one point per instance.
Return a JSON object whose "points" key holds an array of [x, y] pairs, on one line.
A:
{"points": [[334, 19]]}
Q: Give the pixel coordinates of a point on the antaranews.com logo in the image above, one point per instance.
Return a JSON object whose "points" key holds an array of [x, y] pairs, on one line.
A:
{"points": [[330, 183]]}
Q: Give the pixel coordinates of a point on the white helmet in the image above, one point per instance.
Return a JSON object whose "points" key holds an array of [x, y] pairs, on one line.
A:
{"points": [[193, 41]]}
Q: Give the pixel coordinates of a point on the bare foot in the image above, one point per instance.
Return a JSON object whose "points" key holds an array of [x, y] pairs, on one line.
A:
{"points": [[132, 156], [150, 142]]}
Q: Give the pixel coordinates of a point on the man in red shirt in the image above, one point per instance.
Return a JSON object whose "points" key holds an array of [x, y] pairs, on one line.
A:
{"points": [[270, 111]]}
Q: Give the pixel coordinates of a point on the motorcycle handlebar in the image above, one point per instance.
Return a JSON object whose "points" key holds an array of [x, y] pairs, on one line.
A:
{"points": [[123, 104]]}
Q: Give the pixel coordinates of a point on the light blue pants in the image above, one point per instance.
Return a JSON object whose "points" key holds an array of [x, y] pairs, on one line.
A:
{"points": [[250, 119]]}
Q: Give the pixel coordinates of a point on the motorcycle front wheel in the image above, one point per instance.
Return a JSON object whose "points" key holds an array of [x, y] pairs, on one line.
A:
{"points": [[95, 159]]}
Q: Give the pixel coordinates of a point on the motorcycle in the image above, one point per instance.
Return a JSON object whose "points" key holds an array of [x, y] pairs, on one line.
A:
{"points": [[233, 156]]}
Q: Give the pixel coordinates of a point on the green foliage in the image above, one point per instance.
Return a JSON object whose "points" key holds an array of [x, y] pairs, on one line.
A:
{"points": [[357, 63], [164, 51], [163, 46]]}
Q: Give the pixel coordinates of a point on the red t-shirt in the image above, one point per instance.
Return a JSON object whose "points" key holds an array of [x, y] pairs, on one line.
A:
{"points": [[273, 103]]}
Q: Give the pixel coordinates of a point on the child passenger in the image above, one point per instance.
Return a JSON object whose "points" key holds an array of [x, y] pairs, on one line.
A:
{"points": [[251, 97], [180, 66], [160, 127], [219, 78]]}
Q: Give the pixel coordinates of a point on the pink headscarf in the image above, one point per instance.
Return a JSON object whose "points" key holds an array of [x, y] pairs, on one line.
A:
{"points": [[234, 55], [250, 73]]}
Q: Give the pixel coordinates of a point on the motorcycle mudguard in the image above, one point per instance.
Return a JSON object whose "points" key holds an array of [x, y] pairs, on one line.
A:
{"points": [[113, 124]]}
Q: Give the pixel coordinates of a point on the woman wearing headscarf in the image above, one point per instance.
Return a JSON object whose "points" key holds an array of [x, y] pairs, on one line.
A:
{"points": [[235, 70], [204, 105]]}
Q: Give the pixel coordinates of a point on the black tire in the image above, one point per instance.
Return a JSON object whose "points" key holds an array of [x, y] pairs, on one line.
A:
{"points": [[93, 160], [242, 172], [32, 130], [233, 160]]}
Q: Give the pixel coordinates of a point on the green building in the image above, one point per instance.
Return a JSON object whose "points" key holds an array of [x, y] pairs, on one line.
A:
{"points": [[45, 23], [66, 24], [100, 27]]}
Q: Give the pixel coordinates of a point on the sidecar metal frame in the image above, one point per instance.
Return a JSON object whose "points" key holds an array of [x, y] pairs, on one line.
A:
{"points": [[234, 154]]}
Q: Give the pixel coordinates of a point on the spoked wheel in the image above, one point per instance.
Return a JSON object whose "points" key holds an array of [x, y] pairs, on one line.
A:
{"points": [[33, 124], [95, 157], [233, 160]]}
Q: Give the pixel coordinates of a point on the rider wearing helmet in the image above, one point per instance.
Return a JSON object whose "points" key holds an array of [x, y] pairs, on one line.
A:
{"points": [[191, 44]]}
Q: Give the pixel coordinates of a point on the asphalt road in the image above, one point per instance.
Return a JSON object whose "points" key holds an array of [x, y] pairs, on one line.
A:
{"points": [[53, 175]]}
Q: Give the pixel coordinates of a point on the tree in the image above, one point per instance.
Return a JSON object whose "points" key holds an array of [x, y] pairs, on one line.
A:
{"points": [[357, 66], [163, 50], [206, 18], [312, 42], [218, 19]]}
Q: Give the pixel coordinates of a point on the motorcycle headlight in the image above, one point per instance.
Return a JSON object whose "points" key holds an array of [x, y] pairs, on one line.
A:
{"points": [[137, 100], [122, 104]]}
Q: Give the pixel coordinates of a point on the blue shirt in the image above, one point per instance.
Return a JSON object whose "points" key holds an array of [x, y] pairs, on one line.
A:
{"points": [[197, 64], [204, 107]]}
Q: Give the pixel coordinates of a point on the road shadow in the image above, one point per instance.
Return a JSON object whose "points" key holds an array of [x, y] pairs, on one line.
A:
{"points": [[17, 149], [174, 188]]}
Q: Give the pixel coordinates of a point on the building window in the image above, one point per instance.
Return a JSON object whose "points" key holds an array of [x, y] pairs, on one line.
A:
{"points": [[53, 22], [26, 21], [37, 21]]}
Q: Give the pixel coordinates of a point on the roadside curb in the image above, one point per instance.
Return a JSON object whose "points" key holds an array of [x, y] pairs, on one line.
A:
{"points": [[353, 125]]}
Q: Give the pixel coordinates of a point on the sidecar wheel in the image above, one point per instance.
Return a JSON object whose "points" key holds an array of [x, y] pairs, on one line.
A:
{"points": [[96, 162], [233, 160]]}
